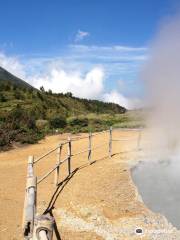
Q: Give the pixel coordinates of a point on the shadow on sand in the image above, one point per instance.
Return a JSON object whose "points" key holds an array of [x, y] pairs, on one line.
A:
{"points": [[62, 185]]}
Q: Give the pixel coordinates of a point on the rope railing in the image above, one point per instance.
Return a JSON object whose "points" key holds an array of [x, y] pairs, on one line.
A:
{"points": [[47, 174], [128, 129], [81, 152], [66, 142], [41, 227], [78, 138], [99, 133], [99, 146], [86, 137], [49, 152], [123, 139], [45, 155], [87, 150]]}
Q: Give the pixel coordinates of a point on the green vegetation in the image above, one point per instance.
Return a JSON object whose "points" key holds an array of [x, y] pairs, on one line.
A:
{"points": [[57, 122], [98, 122], [27, 114]]}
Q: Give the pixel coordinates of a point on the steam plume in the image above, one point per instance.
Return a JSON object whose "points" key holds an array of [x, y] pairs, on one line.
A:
{"points": [[162, 81]]}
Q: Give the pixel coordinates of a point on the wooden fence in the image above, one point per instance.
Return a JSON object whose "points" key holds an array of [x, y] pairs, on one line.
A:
{"points": [[41, 227]]}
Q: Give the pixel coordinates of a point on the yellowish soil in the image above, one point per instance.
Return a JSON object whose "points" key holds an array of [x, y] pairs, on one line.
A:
{"points": [[98, 200]]}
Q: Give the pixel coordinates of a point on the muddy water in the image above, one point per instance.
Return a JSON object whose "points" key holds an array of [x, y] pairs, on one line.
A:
{"points": [[158, 183]]}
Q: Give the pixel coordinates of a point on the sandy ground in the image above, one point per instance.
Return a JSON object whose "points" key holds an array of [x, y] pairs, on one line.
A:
{"points": [[98, 200]]}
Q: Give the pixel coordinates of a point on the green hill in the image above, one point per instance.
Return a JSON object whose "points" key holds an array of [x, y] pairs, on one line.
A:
{"points": [[27, 114], [6, 76], [15, 91]]}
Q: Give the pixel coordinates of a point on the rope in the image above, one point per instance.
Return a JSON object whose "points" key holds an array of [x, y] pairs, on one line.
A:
{"points": [[99, 146], [129, 129], [80, 152], [45, 155], [48, 153], [52, 170], [124, 139], [78, 138], [99, 133], [75, 154]]}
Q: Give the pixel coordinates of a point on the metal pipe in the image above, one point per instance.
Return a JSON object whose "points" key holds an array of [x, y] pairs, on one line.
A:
{"points": [[43, 227], [30, 200], [30, 207], [43, 235]]}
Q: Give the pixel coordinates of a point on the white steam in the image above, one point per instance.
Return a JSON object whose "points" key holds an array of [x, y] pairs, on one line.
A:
{"points": [[162, 79]]}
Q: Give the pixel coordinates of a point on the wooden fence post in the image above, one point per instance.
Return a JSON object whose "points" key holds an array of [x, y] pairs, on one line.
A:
{"points": [[89, 147], [110, 142], [30, 200], [56, 176], [139, 140], [69, 155]]}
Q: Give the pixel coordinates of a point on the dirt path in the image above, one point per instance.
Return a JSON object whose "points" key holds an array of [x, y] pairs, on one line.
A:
{"points": [[98, 201]]}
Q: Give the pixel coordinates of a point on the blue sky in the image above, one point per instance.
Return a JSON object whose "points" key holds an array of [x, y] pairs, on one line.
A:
{"points": [[94, 48]]}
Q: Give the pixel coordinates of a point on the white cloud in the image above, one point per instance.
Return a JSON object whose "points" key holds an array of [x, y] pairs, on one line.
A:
{"points": [[89, 85], [119, 48], [116, 97], [80, 35], [115, 59], [12, 64], [109, 50], [87, 71]]}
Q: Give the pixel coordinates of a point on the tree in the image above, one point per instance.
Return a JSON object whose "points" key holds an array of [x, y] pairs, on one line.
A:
{"points": [[69, 94], [39, 95], [50, 92], [42, 89], [57, 122]]}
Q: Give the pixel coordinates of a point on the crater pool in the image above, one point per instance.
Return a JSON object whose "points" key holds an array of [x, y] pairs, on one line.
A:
{"points": [[158, 183]]}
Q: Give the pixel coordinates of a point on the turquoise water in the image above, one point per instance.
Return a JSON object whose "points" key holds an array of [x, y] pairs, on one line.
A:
{"points": [[158, 183]]}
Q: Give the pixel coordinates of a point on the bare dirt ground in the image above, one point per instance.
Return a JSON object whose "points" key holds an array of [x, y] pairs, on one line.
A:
{"points": [[98, 201]]}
